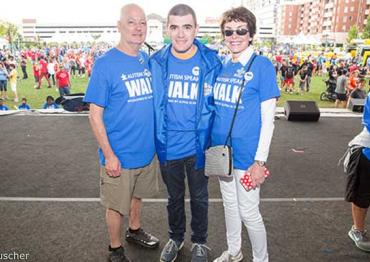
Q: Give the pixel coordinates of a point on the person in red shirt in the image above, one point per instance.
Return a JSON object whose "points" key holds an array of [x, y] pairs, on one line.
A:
{"points": [[36, 73], [88, 65], [352, 83], [63, 81], [43, 72]]}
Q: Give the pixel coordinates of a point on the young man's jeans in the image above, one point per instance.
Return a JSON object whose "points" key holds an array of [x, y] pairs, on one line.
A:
{"points": [[64, 91], [173, 174]]}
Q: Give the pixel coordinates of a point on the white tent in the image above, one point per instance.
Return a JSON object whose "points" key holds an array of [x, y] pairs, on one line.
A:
{"points": [[3, 42], [300, 39], [77, 37], [312, 40]]}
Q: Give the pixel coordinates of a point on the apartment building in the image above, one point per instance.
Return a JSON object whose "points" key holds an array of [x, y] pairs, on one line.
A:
{"points": [[327, 20]]}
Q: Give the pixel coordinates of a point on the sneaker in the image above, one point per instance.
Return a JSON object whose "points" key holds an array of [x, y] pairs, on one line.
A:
{"points": [[360, 238], [170, 251], [199, 253], [142, 238], [118, 255], [227, 257]]}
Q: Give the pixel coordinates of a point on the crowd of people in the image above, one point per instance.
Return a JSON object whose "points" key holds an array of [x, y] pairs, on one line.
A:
{"points": [[295, 73], [54, 65], [294, 69], [48, 104]]}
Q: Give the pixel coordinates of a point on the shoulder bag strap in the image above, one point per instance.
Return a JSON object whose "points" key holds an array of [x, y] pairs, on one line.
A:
{"points": [[238, 101]]}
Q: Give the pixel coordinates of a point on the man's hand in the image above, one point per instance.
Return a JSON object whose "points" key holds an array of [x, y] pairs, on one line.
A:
{"points": [[112, 166], [257, 174]]}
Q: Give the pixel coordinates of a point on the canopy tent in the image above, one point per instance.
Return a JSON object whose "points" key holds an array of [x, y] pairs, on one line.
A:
{"points": [[3, 42], [301, 39], [77, 37]]}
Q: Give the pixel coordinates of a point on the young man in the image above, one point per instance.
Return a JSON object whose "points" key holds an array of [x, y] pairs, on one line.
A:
{"points": [[122, 119], [183, 74], [289, 78], [341, 89], [63, 81]]}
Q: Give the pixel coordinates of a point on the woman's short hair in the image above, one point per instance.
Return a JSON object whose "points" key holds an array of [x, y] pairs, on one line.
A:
{"points": [[239, 14]]}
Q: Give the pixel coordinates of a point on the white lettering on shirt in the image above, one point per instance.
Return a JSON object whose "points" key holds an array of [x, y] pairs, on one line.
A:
{"points": [[226, 92], [183, 90], [138, 87]]}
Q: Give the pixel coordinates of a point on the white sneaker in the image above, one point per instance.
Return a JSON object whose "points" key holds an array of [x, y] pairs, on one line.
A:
{"points": [[227, 257], [360, 239]]}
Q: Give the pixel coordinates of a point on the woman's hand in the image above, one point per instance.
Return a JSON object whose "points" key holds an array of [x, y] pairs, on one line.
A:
{"points": [[257, 174]]}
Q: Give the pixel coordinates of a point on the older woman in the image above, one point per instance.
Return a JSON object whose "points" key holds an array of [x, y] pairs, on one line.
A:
{"points": [[251, 133]]}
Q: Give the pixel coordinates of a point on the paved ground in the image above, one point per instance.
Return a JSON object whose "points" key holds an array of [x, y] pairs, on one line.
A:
{"points": [[49, 190]]}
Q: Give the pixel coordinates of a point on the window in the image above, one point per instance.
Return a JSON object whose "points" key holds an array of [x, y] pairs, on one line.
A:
{"points": [[344, 28], [344, 19], [352, 8], [346, 9]]}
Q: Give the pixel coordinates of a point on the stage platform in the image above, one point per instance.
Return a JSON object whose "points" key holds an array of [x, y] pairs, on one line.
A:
{"points": [[49, 206]]}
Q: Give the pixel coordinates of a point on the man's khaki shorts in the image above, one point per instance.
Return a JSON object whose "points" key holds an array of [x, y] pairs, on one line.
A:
{"points": [[116, 192]]}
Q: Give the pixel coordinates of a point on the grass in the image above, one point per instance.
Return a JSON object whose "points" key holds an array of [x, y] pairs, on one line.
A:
{"points": [[37, 97], [316, 88]]}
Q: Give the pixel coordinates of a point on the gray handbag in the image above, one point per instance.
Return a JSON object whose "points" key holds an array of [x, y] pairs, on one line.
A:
{"points": [[219, 159]]}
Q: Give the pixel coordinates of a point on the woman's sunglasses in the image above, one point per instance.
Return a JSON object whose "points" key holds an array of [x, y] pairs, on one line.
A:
{"points": [[239, 31]]}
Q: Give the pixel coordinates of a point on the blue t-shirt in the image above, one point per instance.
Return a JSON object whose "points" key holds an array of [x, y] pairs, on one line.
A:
{"points": [[121, 84], [366, 123], [4, 108], [24, 107], [51, 106], [182, 92], [3, 74], [260, 86]]}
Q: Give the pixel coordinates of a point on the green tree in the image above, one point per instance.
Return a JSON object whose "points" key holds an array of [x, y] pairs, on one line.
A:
{"points": [[366, 32], [10, 32], [352, 33]]}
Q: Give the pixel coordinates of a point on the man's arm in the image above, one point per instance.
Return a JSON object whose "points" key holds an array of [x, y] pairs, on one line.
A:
{"points": [[112, 163]]}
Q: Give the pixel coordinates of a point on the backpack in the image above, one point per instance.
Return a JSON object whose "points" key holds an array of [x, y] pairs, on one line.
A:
{"points": [[73, 102], [289, 72]]}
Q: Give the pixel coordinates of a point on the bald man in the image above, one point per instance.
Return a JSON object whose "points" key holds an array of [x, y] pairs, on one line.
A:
{"points": [[122, 120]]}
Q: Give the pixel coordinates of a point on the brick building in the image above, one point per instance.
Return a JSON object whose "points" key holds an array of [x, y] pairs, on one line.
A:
{"points": [[327, 20]]}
